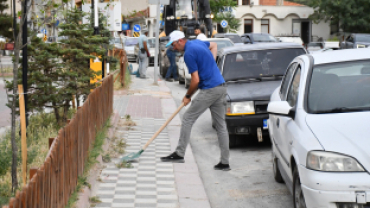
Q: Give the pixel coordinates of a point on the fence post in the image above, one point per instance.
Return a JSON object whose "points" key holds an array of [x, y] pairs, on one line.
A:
{"points": [[51, 140], [33, 171]]}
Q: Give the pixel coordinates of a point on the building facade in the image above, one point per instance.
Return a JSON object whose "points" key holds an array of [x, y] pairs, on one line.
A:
{"points": [[279, 17]]}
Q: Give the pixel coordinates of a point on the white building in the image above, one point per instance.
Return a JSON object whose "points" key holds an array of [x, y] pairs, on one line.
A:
{"points": [[279, 17]]}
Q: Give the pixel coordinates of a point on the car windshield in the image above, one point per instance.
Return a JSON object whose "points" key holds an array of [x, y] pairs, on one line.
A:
{"points": [[363, 38], [131, 41], [340, 87], [184, 9], [264, 38], [222, 44], [259, 63], [234, 38]]}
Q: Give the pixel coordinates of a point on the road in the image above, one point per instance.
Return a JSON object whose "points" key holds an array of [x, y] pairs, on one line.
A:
{"points": [[250, 183], [5, 116]]}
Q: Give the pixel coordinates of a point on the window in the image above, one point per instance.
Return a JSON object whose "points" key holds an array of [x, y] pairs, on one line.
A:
{"points": [[246, 2], [350, 39], [286, 80], [294, 88], [265, 26], [248, 25]]}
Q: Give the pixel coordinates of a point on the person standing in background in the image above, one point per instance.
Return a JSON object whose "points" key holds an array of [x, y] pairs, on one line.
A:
{"points": [[172, 70], [143, 53], [200, 35]]}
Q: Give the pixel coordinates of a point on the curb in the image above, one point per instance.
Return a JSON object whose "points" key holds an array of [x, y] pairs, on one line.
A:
{"points": [[84, 195], [189, 185]]}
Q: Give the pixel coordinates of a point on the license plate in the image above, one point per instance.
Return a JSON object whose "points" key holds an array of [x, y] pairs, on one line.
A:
{"points": [[265, 125]]}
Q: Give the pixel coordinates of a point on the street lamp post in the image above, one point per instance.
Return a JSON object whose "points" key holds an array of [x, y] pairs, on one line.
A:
{"points": [[24, 58]]}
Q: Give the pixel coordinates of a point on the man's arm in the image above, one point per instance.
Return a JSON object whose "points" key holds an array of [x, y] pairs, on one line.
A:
{"points": [[213, 48], [192, 88], [145, 46]]}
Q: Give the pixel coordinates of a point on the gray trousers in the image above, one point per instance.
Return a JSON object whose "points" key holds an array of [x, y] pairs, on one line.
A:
{"points": [[215, 100], [143, 59]]}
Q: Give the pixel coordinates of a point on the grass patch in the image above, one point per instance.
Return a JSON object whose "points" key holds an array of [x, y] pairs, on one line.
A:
{"points": [[41, 127], [94, 200], [117, 85], [93, 154]]}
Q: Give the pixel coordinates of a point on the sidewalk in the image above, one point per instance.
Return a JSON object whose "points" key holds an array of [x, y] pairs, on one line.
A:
{"points": [[151, 183]]}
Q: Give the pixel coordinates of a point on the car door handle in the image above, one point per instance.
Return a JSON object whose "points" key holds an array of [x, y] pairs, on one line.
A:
{"points": [[278, 122]]}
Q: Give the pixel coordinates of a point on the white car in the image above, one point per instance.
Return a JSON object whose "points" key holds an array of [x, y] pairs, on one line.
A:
{"points": [[184, 76], [129, 46], [319, 129]]}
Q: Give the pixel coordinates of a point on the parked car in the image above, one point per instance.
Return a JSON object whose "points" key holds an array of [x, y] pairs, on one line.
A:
{"points": [[318, 126], [356, 40], [252, 72], [118, 42], [184, 76], [235, 38], [290, 39], [129, 46], [251, 38], [151, 46], [315, 46]]}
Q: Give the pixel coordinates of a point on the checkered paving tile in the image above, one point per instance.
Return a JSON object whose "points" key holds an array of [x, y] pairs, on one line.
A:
{"points": [[150, 183]]}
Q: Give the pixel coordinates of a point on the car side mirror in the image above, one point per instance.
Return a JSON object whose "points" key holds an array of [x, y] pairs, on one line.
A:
{"points": [[281, 108]]}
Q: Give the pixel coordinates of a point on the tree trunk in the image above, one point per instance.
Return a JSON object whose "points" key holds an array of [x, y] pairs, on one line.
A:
{"points": [[56, 113], [14, 100]]}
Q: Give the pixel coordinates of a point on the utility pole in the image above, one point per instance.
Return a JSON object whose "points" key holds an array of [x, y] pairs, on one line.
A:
{"points": [[94, 4], [24, 58]]}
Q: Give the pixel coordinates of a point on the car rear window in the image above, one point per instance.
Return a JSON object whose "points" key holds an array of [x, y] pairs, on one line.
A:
{"points": [[131, 41], [259, 63]]}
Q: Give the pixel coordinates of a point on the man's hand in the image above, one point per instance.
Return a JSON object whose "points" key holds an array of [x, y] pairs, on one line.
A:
{"points": [[186, 101]]}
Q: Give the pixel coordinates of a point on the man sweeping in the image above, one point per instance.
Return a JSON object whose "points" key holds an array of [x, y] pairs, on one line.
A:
{"points": [[200, 57]]}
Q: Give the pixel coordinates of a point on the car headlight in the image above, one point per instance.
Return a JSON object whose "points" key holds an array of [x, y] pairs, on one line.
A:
{"points": [[239, 108], [332, 162], [362, 46]]}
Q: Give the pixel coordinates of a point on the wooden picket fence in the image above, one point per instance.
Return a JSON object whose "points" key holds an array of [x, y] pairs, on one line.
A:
{"points": [[56, 180]]}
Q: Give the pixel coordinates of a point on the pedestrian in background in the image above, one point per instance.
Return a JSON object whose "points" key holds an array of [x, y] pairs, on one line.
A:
{"points": [[143, 53], [172, 70], [199, 33], [200, 58]]}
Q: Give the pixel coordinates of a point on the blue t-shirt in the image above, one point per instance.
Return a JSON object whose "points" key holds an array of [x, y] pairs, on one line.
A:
{"points": [[199, 58]]}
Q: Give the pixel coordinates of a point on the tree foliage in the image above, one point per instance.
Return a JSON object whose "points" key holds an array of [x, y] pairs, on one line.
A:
{"points": [[219, 5], [351, 15], [233, 23], [5, 21]]}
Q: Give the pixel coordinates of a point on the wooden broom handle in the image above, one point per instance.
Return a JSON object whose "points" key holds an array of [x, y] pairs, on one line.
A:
{"points": [[163, 126]]}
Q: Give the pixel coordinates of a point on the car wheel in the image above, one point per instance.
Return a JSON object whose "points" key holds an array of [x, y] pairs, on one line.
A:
{"points": [[298, 198], [181, 80], [187, 84], [232, 140], [276, 170]]}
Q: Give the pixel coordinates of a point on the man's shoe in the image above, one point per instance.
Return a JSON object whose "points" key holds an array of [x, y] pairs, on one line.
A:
{"points": [[173, 158], [169, 80], [224, 167], [176, 80]]}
